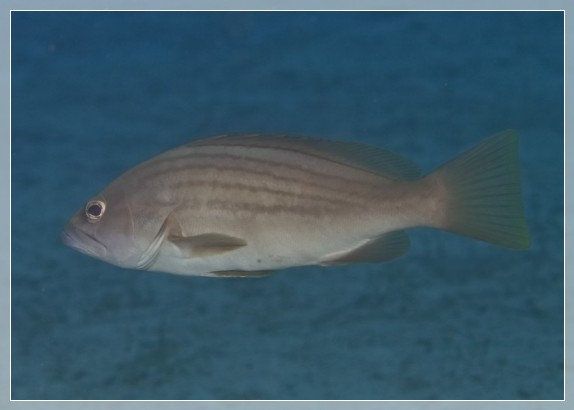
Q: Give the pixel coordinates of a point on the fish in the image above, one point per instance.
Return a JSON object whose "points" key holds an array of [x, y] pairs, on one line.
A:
{"points": [[248, 205]]}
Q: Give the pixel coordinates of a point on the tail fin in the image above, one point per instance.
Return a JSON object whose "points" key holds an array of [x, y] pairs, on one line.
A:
{"points": [[483, 192]]}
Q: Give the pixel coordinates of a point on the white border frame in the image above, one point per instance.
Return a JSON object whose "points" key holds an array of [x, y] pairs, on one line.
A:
{"points": [[262, 5]]}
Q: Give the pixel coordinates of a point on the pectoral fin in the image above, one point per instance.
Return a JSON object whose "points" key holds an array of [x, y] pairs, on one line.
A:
{"points": [[242, 273], [206, 244], [380, 249]]}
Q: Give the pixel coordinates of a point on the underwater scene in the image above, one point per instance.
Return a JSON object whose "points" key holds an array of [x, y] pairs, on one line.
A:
{"points": [[323, 288]]}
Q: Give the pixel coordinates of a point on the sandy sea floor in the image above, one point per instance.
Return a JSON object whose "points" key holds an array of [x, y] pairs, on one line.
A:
{"points": [[95, 93]]}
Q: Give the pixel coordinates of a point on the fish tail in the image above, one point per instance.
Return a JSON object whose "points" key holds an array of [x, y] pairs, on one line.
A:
{"points": [[482, 193]]}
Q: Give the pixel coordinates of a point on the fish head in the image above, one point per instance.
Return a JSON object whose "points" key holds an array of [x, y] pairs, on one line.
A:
{"points": [[104, 229]]}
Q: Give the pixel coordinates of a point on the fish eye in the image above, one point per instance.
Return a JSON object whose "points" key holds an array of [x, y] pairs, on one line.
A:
{"points": [[94, 210]]}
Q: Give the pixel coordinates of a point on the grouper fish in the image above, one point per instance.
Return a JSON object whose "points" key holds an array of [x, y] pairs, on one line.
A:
{"points": [[247, 205]]}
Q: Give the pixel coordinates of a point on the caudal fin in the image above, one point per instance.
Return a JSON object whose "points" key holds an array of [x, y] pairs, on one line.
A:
{"points": [[483, 194]]}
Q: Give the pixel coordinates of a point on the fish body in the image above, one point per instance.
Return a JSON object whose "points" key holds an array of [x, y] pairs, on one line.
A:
{"points": [[247, 205]]}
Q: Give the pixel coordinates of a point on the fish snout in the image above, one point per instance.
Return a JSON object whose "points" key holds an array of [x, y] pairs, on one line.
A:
{"points": [[82, 241]]}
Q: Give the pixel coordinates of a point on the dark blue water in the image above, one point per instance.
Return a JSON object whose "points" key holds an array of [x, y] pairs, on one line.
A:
{"points": [[95, 93]]}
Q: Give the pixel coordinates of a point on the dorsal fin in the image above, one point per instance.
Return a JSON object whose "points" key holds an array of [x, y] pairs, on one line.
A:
{"points": [[369, 158]]}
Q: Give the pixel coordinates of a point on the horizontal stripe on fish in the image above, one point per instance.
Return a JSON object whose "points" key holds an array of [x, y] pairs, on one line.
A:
{"points": [[248, 209], [264, 169], [230, 190], [237, 184], [273, 168], [280, 153]]}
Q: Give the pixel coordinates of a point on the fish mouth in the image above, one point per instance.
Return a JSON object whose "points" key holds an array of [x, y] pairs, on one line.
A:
{"points": [[83, 242]]}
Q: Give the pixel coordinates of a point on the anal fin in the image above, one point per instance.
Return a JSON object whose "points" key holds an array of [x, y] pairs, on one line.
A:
{"points": [[383, 248]]}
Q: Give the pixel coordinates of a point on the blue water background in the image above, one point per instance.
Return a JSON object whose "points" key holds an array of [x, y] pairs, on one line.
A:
{"points": [[93, 94]]}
